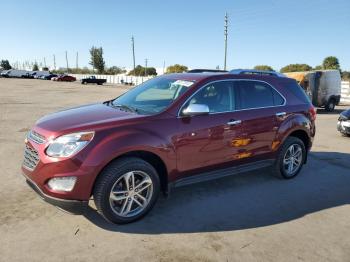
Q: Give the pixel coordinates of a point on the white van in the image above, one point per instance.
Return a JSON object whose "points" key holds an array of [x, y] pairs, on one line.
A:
{"points": [[322, 86]]}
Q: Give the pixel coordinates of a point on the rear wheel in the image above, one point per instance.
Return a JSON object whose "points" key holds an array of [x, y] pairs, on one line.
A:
{"points": [[330, 106], [291, 158], [126, 190]]}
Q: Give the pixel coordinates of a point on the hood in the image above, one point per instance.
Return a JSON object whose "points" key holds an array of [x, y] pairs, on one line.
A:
{"points": [[87, 116], [345, 115]]}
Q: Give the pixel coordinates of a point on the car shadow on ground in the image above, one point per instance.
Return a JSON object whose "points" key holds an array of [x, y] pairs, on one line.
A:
{"points": [[246, 201], [322, 111]]}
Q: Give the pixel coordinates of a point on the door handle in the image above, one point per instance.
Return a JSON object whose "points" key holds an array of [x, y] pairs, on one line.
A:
{"points": [[281, 114], [234, 122]]}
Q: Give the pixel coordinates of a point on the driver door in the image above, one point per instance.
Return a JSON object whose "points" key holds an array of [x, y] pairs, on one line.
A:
{"points": [[208, 139]]}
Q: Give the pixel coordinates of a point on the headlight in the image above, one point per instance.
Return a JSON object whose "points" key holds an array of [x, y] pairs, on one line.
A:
{"points": [[68, 145], [62, 183]]}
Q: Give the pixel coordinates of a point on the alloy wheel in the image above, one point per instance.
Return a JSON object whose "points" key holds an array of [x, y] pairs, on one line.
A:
{"points": [[292, 159], [131, 193]]}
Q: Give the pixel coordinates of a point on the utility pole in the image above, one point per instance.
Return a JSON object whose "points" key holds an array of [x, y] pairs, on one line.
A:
{"points": [[76, 61], [146, 61], [54, 62], [164, 67], [133, 51], [67, 62], [225, 35], [44, 61]]}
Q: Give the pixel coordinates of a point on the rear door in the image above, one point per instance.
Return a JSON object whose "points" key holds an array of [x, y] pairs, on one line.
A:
{"points": [[261, 108]]}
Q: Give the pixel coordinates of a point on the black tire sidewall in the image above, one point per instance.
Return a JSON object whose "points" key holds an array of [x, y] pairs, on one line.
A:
{"points": [[330, 105], [110, 175], [279, 164]]}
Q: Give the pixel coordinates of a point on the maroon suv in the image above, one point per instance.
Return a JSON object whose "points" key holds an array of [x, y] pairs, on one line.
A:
{"points": [[170, 131]]}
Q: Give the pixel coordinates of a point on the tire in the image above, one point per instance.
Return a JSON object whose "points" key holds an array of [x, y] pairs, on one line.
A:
{"points": [[330, 106], [114, 177], [279, 168], [344, 134]]}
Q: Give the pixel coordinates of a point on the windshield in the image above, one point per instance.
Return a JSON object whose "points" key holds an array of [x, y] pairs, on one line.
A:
{"points": [[153, 96]]}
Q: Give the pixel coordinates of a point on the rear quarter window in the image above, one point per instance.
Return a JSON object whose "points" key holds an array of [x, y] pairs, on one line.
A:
{"points": [[297, 91]]}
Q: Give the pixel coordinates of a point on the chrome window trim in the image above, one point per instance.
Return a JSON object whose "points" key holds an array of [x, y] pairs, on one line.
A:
{"points": [[225, 80]]}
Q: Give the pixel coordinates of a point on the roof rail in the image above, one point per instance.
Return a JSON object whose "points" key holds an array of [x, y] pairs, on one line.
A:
{"points": [[206, 71], [256, 72]]}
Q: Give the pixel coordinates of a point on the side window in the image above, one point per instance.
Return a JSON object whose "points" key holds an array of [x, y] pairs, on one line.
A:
{"points": [[255, 94], [277, 98], [218, 96]]}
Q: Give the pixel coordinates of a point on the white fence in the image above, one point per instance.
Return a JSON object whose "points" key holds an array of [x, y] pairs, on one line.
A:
{"points": [[345, 93], [117, 79]]}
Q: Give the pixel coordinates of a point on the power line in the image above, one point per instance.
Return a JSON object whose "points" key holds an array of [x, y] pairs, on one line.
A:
{"points": [[225, 35], [67, 62], [146, 61], [76, 61], [133, 50]]}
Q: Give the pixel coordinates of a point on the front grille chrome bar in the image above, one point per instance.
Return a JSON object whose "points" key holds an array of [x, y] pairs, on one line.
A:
{"points": [[36, 137], [31, 158]]}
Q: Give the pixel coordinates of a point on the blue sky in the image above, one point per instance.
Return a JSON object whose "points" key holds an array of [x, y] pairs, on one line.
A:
{"points": [[187, 32]]}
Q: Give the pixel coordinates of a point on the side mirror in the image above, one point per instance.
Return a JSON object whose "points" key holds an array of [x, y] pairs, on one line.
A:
{"points": [[195, 110]]}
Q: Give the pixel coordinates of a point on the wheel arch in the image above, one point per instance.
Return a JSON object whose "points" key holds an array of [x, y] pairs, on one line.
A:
{"points": [[303, 136], [150, 157]]}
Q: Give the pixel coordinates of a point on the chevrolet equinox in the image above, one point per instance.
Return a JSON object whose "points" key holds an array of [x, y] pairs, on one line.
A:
{"points": [[170, 131]]}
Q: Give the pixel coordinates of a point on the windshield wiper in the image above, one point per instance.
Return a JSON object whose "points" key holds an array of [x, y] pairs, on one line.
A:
{"points": [[124, 107]]}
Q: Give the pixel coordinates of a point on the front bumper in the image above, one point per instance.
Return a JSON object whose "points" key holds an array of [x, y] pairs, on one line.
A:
{"points": [[344, 127], [76, 207]]}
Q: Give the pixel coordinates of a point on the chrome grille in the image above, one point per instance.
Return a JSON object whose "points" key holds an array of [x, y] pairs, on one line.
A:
{"points": [[36, 137], [31, 158]]}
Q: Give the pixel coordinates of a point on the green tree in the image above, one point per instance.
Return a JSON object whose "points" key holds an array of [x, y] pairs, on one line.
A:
{"points": [[176, 69], [142, 71], [114, 70], [345, 75], [5, 64], [263, 67], [331, 62], [97, 60], [296, 68], [35, 67], [319, 67]]}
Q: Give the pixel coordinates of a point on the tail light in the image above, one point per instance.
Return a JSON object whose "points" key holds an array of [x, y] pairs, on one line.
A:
{"points": [[312, 112]]}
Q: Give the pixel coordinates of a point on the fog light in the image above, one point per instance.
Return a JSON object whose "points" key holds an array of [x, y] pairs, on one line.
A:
{"points": [[65, 184]]}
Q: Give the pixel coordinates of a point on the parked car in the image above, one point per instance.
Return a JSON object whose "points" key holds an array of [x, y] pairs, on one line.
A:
{"points": [[323, 87], [17, 73], [93, 80], [5, 73], [170, 131], [49, 77], [343, 125], [65, 78]]}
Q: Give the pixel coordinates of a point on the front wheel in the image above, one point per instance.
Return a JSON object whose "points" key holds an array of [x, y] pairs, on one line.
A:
{"points": [[291, 158], [126, 190]]}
